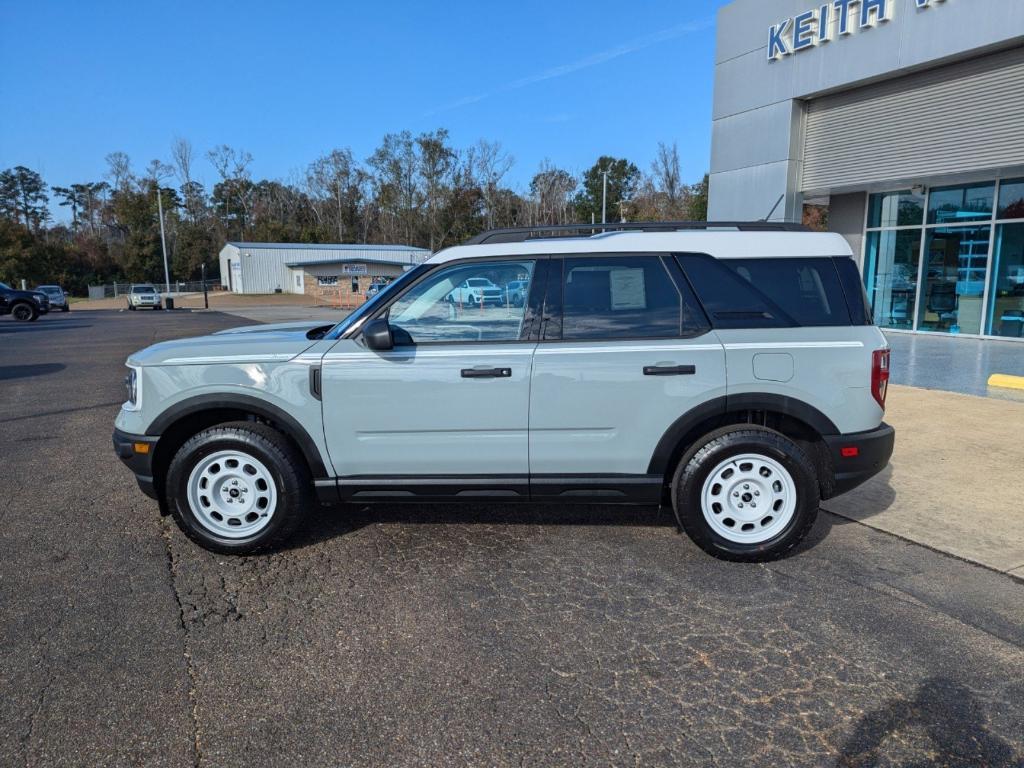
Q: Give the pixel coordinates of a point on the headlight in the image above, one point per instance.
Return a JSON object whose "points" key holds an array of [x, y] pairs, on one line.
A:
{"points": [[131, 385]]}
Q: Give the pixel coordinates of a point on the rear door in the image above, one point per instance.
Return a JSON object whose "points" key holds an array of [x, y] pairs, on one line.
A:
{"points": [[793, 331], [625, 352]]}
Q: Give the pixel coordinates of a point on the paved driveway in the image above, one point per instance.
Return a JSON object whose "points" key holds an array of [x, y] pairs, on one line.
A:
{"points": [[474, 636]]}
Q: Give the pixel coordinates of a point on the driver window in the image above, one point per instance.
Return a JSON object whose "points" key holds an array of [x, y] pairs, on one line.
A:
{"points": [[479, 301]]}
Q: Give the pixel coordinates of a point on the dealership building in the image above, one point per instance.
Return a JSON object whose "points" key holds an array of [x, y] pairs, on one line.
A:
{"points": [[905, 120], [343, 270]]}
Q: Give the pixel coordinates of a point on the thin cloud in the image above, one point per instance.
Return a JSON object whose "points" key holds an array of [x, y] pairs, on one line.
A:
{"points": [[586, 62]]}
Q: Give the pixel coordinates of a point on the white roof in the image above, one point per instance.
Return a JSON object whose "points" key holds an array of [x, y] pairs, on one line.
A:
{"points": [[720, 244]]}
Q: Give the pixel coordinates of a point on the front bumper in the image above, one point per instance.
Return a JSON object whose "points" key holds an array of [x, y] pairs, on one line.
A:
{"points": [[857, 458], [140, 462]]}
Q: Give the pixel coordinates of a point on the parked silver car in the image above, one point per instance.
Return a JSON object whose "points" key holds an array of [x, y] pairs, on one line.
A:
{"points": [[58, 298], [734, 375]]}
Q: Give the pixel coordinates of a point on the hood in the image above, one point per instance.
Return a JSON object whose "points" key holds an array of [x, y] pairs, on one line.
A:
{"points": [[276, 343], [300, 326]]}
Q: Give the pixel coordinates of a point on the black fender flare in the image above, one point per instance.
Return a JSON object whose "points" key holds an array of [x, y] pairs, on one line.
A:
{"points": [[250, 404], [720, 406]]}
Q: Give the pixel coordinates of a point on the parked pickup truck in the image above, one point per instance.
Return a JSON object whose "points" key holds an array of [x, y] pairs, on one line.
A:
{"points": [[25, 306]]}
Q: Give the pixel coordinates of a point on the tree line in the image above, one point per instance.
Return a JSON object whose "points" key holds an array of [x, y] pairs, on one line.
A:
{"points": [[417, 190]]}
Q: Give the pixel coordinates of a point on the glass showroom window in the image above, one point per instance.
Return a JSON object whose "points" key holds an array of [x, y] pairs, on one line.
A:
{"points": [[956, 205], [891, 267], [892, 254], [972, 278], [953, 279], [1006, 287]]}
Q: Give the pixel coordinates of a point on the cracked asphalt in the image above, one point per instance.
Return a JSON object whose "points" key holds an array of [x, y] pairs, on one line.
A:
{"points": [[477, 636]]}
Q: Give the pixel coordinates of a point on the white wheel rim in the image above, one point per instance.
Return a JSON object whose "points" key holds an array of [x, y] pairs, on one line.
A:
{"points": [[748, 499], [232, 494]]}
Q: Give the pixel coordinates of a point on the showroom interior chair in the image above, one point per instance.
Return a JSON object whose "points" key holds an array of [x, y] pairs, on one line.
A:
{"points": [[942, 301]]}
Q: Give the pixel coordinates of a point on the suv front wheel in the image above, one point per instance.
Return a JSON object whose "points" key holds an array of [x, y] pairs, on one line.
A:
{"points": [[746, 493], [238, 488]]}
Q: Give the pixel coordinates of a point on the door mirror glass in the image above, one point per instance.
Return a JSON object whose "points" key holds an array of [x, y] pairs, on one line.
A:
{"points": [[377, 334]]}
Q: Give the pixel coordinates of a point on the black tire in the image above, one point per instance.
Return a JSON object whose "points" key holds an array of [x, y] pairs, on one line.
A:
{"points": [[471, 301], [65, 308], [286, 466], [158, 307], [24, 312], [131, 306], [707, 454]]}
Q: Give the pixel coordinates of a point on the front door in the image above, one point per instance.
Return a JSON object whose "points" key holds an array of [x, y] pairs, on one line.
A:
{"points": [[632, 353], [444, 413]]}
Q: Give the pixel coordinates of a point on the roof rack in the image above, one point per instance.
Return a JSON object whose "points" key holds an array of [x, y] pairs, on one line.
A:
{"points": [[521, 234]]}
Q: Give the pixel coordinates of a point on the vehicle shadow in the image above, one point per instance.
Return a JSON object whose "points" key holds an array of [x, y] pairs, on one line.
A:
{"points": [[326, 523], [40, 325], [951, 717], [8, 372], [873, 498]]}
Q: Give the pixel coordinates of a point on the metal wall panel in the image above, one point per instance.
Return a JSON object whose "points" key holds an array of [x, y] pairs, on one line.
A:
{"points": [[264, 269], [953, 119]]}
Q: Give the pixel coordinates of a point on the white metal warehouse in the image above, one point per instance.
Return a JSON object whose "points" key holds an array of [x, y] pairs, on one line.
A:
{"points": [[272, 267]]}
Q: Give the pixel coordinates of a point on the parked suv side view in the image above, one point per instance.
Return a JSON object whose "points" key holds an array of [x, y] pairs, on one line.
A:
{"points": [[734, 374]]}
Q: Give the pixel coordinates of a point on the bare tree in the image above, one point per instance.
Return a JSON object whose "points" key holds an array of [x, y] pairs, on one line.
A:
{"points": [[550, 191], [233, 168], [119, 171], [183, 156], [665, 170], [490, 163], [337, 179]]}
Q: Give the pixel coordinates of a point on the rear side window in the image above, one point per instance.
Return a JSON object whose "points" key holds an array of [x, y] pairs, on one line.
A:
{"points": [[619, 297], [853, 287], [769, 293]]}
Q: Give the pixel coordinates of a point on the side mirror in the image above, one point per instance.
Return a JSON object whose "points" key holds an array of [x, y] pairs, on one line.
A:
{"points": [[377, 334]]}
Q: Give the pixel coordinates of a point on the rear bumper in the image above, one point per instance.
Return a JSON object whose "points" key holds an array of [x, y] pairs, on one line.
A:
{"points": [[139, 462], [857, 457]]}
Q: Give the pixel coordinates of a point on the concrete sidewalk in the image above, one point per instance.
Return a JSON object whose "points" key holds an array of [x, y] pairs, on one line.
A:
{"points": [[956, 480]]}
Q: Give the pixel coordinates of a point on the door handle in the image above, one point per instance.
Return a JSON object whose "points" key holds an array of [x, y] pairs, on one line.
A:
{"points": [[486, 373], [669, 370]]}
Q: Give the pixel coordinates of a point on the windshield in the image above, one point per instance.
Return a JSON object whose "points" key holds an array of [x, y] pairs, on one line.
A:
{"points": [[143, 289], [375, 300], [5, 286], [479, 281], [48, 289]]}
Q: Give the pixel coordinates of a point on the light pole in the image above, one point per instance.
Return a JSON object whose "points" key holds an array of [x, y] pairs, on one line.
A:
{"points": [[604, 196], [163, 239]]}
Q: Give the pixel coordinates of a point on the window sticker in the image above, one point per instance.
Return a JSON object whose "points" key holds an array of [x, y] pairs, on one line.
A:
{"points": [[627, 287]]}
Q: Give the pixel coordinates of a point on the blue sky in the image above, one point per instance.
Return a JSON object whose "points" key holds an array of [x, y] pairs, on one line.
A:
{"points": [[290, 81]]}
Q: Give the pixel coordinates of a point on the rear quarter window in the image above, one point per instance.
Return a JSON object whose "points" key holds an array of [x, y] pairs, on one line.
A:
{"points": [[769, 293]]}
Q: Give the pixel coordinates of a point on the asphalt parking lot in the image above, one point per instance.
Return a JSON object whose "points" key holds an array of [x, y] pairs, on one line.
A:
{"points": [[491, 635]]}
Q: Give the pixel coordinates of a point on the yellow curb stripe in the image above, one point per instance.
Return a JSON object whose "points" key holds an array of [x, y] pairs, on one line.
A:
{"points": [[1006, 381]]}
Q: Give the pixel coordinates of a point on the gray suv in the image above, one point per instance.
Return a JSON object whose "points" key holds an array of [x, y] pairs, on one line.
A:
{"points": [[732, 372]]}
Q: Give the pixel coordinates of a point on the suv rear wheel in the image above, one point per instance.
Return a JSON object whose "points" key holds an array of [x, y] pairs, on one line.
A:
{"points": [[238, 488], [746, 493]]}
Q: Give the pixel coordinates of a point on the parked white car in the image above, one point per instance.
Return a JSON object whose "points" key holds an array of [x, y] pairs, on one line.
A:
{"points": [[515, 292], [144, 295], [735, 376], [477, 292]]}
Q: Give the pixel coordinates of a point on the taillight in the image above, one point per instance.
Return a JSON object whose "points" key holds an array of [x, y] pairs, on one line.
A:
{"points": [[880, 375]]}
